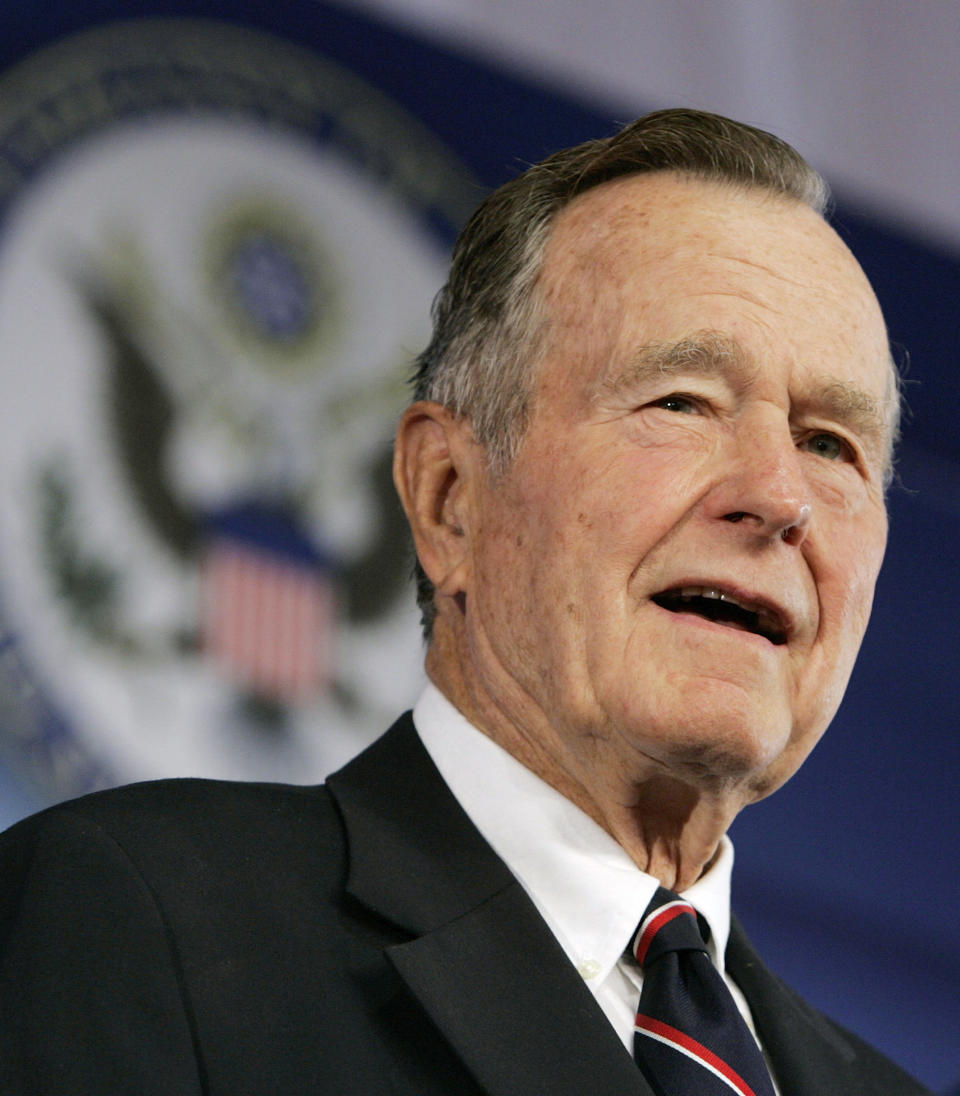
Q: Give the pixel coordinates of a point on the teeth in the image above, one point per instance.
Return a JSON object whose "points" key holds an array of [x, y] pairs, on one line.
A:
{"points": [[766, 619], [688, 592]]}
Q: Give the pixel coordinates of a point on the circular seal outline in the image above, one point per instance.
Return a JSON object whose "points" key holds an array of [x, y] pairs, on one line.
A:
{"points": [[137, 68]]}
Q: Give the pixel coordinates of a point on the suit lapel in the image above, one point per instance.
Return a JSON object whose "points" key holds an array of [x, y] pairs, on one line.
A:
{"points": [[481, 960], [809, 1056], [504, 994]]}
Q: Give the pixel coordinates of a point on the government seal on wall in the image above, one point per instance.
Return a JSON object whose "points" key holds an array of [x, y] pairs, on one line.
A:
{"points": [[217, 256]]}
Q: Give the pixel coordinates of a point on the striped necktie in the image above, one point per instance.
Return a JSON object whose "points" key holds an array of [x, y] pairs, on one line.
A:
{"points": [[690, 1038]]}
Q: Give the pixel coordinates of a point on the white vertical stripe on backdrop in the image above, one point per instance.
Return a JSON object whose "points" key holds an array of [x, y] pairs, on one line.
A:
{"points": [[869, 90]]}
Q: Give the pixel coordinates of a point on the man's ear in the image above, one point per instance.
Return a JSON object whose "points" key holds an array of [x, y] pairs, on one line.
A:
{"points": [[433, 459]]}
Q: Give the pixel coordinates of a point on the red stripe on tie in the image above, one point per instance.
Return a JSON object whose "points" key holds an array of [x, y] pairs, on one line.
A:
{"points": [[655, 923], [695, 1050]]}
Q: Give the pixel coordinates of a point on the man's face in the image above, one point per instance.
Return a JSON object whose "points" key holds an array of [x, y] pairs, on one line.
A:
{"points": [[680, 564]]}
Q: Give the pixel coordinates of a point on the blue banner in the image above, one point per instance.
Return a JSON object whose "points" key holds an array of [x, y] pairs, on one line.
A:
{"points": [[221, 227]]}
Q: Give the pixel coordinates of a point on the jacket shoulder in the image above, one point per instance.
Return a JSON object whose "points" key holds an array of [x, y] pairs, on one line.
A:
{"points": [[185, 830], [815, 1052]]}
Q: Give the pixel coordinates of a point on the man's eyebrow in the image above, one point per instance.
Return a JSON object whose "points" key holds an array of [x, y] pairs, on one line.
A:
{"points": [[712, 353], [846, 403], [704, 353]]}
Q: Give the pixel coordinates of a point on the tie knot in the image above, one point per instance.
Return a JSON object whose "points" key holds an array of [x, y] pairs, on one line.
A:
{"points": [[669, 924]]}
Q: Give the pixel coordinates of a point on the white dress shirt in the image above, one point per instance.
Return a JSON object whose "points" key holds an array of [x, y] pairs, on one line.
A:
{"points": [[586, 888]]}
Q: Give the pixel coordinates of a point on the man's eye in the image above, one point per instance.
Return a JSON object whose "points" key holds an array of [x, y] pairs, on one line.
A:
{"points": [[828, 446], [681, 404]]}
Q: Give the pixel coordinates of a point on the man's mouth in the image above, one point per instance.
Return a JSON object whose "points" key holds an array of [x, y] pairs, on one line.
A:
{"points": [[724, 608]]}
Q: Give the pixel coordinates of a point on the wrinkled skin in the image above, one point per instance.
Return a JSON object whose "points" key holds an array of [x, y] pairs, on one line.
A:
{"points": [[712, 411]]}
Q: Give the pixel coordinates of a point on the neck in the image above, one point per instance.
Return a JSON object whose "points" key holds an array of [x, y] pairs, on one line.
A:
{"points": [[670, 829], [669, 822]]}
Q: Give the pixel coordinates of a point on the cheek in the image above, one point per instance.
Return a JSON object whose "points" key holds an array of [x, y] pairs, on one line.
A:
{"points": [[519, 548], [847, 598], [842, 495], [859, 601], [649, 481], [851, 545]]}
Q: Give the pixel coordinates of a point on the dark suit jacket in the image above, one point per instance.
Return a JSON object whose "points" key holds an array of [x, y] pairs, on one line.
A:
{"points": [[356, 940]]}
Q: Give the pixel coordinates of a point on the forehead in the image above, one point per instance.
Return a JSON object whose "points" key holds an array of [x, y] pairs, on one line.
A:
{"points": [[655, 258]]}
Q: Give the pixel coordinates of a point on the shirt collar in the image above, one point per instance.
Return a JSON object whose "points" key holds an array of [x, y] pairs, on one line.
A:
{"points": [[583, 883]]}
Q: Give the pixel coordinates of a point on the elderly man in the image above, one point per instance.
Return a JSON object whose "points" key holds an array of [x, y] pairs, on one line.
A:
{"points": [[645, 477]]}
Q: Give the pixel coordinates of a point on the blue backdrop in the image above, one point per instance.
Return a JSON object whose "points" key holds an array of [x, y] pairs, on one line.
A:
{"points": [[847, 878]]}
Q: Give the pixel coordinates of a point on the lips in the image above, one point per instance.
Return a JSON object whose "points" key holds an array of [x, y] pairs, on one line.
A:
{"points": [[726, 607]]}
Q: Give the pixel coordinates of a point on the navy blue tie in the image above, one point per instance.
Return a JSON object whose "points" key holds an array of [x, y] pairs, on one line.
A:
{"points": [[690, 1038]]}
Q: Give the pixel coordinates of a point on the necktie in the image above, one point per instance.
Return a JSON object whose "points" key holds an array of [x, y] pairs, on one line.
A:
{"points": [[690, 1038]]}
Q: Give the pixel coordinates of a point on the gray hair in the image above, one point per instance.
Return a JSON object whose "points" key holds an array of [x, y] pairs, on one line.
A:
{"points": [[489, 321]]}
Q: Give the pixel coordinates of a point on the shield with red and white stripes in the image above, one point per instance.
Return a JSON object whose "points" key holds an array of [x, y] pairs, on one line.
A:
{"points": [[268, 604]]}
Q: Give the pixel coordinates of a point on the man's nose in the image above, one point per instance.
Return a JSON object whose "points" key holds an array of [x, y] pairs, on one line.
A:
{"points": [[765, 487]]}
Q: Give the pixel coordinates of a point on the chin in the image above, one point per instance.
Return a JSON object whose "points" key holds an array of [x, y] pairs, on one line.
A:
{"points": [[783, 767], [735, 743]]}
